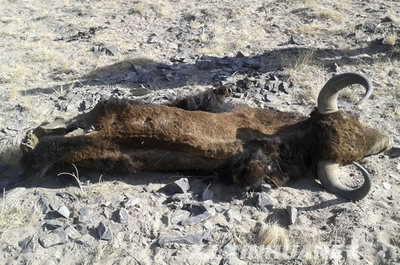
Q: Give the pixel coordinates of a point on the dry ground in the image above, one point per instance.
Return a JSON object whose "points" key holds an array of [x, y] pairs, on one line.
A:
{"points": [[58, 58]]}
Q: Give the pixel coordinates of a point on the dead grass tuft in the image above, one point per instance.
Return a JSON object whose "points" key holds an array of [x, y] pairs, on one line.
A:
{"points": [[273, 235], [13, 213], [390, 39]]}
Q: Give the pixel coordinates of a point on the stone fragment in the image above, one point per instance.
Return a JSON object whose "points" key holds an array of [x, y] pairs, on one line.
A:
{"points": [[44, 204], [179, 186], [207, 194], [199, 218], [233, 216], [84, 214], [56, 237], [269, 97], [72, 232], [263, 202], [63, 211], [297, 40], [393, 152], [194, 239], [292, 212], [104, 232], [178, 216], [229, 247], [386, 186], [28, 244], [15, 192], [53, 224], [232, 259], [123, 216]]}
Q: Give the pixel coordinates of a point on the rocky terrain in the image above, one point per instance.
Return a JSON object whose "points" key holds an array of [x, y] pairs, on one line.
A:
{"points": [[60, 57]]}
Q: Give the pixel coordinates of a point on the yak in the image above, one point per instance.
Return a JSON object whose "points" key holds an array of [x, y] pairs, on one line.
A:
{"points": [[201, 133]]}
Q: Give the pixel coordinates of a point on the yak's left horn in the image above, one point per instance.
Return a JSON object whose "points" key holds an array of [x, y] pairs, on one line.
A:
{"points": [[327, 98], [328, 175]]}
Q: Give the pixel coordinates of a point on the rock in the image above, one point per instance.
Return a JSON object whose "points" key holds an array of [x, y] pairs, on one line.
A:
{"points": [[297, 40], [265, 187], [15, 192], [283, 87], [72, 232], [132, 202], [240, 55], [44, 204], [386, 186], [207, 194], [63, 211], [233, 216], [263, 202], [232, 259], [229, 247], [53, 224], [393, 152], [178, 216], [292, 212], [104, 232], [269, 97], [199, 218], [108, 49], [194, 239], [123, 216], [335, 68], [84, 214], [28, 244], [178, 186], [56, 237]]}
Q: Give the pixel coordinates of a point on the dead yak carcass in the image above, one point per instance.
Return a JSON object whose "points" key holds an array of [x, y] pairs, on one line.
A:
{"points": [[246, 145]]}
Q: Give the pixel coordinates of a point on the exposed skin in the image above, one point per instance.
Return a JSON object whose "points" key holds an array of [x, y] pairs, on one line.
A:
{"points": [[245, 145]]}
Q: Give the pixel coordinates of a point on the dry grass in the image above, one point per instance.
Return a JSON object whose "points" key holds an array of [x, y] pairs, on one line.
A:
{"points": [[13, 213], [305, 74], [273, 235], [390, 39]]}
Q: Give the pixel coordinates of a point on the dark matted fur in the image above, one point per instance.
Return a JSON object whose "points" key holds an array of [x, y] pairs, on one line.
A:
{"points": [[246, 145]]}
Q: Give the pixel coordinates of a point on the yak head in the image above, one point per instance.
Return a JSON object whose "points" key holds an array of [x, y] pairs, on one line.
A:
{"points": [[320, 144]]}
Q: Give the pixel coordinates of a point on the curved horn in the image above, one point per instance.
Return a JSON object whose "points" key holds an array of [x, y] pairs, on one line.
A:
{"points": [[327, 98], [328, 175]]}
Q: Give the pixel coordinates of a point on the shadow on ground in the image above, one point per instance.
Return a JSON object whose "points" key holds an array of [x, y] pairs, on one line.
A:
{"points": [[143, 75]]}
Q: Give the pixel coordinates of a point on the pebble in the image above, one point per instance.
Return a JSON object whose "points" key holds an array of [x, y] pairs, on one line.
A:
{"points": [[53, 224], [386, 185], [72, 232], [292, 212], [56, 237], [44, 204], [263, 202], [179, 186], [84, 214], [194, 239], [63, 211], [132, 202], [199, 218], [232, 259], [28, 244], [178, 216], [207, 194], [104, 232], [233, 216], [229, 247], [15, 192], [123, 216]]}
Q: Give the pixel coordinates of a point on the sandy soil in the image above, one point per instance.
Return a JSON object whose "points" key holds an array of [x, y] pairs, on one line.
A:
{"points": [[60, 57]]}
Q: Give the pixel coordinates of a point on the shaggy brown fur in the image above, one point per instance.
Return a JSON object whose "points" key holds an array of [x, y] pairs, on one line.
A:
{"points": [[246, 145]]}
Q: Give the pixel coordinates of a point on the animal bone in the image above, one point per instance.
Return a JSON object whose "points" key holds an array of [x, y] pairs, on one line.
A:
{"points": [[245, 145]]}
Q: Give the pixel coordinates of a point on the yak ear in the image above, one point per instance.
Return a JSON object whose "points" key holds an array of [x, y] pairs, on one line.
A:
{"points": [[328, 175]]}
